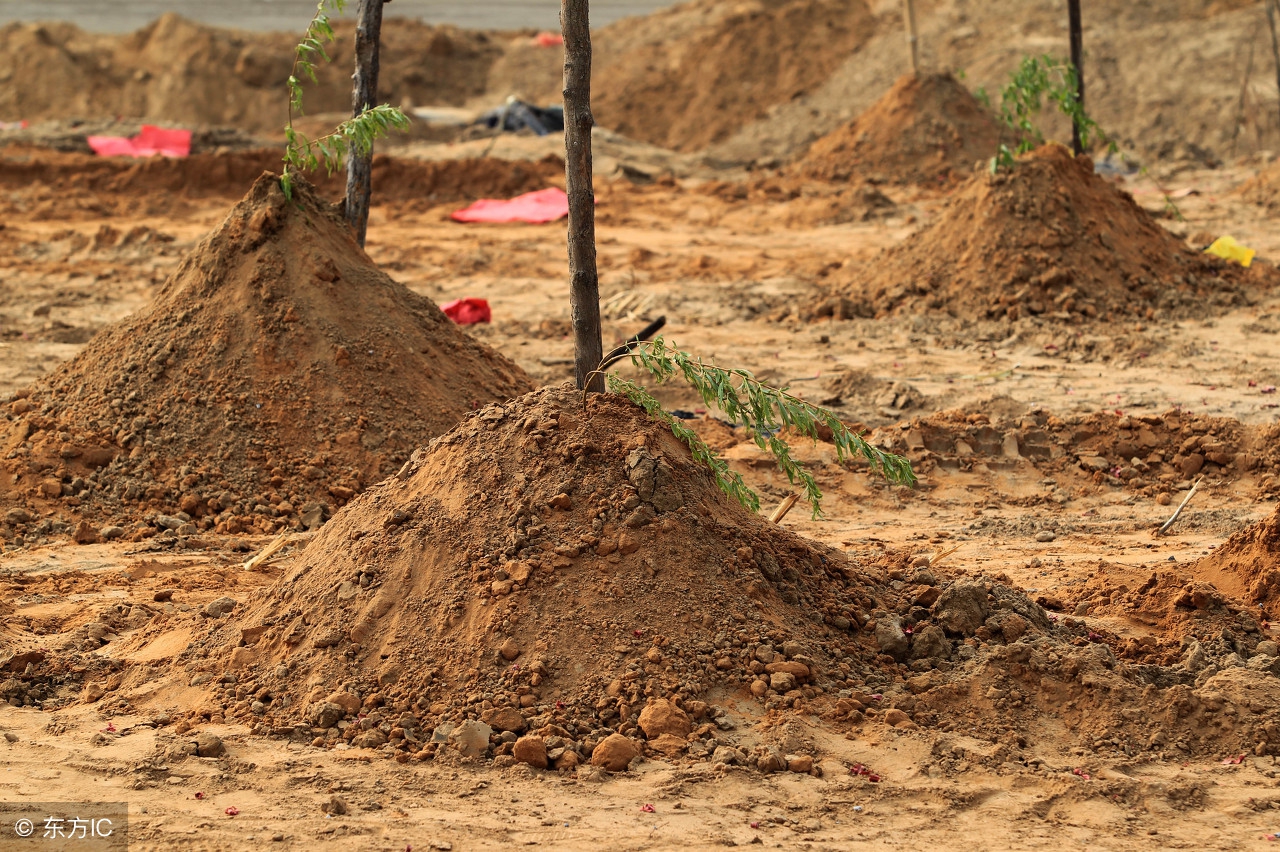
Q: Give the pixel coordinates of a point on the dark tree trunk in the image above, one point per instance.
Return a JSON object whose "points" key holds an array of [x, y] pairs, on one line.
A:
{"points": [[584, 286], [363, 96], [913, 38], [1077, 60]]}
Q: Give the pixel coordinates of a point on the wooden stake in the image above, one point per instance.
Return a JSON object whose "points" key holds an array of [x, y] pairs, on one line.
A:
{"points": [[1077, 60], [267, 552], [1181, 506], [913, 39], [783, 507], [364, 94], [584, 285]]}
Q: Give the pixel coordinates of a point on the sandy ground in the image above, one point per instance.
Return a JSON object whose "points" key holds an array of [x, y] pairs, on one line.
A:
{"points": [[725, 276]]}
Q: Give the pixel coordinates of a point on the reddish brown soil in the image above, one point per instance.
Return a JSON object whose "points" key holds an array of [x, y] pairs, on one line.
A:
{"points": [[1247, 565], [690, 76], [927, 129], [276, 373], [1047, 237], [42, 184]]}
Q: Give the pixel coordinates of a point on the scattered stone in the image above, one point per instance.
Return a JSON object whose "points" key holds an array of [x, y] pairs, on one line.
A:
{"points": [[782, 682], [772, 760], [163, 596], [802, 763], [662, 717], [209, 745], [471, 738], [962, 609], [335, 806], [1045, 536], [890, 637], [668, 744], [86, 534], [220, 607], [507, 719], [930, 643], [614, 753], [509, 649], [531, 750], [325, 714]]}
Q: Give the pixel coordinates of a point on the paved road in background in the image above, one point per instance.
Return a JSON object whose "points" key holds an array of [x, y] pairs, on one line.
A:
{"points": [[126, 15]]}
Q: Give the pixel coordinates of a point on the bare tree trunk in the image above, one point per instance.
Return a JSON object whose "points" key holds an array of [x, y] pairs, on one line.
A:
{"points": [[1077, 60], [363, 96], [584, 285], [1275, 38], [913, 39]]}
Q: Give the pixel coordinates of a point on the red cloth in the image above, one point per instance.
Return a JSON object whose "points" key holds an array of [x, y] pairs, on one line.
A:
{"points": [[547, 39], [467, 311], [545, 205], [151, 140]]}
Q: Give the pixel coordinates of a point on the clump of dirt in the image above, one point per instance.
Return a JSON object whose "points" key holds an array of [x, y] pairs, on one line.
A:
{"points": [[927, 129], [42, 184], [801, 203], [1248, 565], [1263, 189], [179, 71], [1149, 455], [690, 76], [1049, 238], [277, 372]]}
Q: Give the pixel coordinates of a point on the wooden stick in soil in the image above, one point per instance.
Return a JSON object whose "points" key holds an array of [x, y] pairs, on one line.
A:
{"points": [[364, 95], [1077, 60], [913, 38], [1275, 38], [267, 552], [584, 286], [1181, 506], [783, 507]]}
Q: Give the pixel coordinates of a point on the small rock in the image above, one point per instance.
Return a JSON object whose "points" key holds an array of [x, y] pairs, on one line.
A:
{"points": [[662, 717], [668, 744], [325, 714], [163, 596], [335, 806], [18, 515], [782, 682], [802, 763], [93, 691], [759, 688], [471, 738], [531, 750], [1268, 648], [890, 638], [509, 649], [727, 755], [765, 654], [111, 532], [220, 607], [86, 534], [1045, 536], [209, 745], [930, 643], [242, 658], [962, 608], [10, 737], [614, 753], [348, 702], [568, 760], [893, 716], [507, 719], [771, 761]]}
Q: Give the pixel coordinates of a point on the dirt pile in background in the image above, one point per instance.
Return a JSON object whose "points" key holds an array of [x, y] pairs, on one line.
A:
{"points": [[277, 372], [927, 129], [689, 76], [175, 70], [41, 184], [1247, 565], [799, 203], [1050, 238]]}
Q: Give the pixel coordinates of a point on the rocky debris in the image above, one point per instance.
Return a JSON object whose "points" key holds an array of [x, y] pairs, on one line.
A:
{"points": [[335, 806], [891, 638], [661, 717], [531, 750], [962, 609], [614, 753], [471, 738], [209, 745], [219, 607]]}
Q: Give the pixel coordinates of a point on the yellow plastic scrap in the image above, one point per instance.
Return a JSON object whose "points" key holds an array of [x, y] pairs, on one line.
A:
{"points": [[1228, 249]]}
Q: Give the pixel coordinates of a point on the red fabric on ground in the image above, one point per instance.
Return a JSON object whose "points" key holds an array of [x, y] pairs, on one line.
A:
{"points": [[545, 205], [467, 311], [151, 140]]}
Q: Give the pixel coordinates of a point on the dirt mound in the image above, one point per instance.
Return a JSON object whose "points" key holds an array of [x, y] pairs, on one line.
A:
{"points": [[1048, 237], [1263, 190], [1247, 565], [801, 203], [179, 71], [41, 184], [689, 76], [927, 129], [276, 373]]}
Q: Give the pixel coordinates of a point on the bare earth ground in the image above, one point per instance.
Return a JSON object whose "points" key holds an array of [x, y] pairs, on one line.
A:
{"points": [[726, 276]]}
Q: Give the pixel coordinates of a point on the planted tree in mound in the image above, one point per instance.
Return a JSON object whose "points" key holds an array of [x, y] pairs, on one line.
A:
{"points": [[765, 410], [357, 133]]}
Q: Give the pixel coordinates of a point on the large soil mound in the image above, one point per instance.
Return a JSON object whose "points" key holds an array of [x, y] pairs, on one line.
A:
{"points": [[927, 129], [179, 71], [1248, 565], [689, 76], [42, 184], [1048, 237], [277, 371]]}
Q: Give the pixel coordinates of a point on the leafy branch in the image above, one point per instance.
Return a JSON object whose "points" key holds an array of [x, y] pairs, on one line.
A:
{"points": [[764, 409], [1037, 78], [357, 133]]}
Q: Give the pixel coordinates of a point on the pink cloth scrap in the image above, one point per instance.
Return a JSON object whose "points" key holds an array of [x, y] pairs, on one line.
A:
{"points": [[151, 140], [545, 205], [548, 39]]}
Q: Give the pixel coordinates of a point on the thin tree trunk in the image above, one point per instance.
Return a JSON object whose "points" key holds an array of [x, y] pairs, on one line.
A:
{"points": [[1275, 38], [584, 286], [364, 95], [1077, 60], [913, 39]]}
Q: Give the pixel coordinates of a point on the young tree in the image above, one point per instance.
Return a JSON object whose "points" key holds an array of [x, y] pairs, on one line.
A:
{"points": [[584, 284], [1077, 61], [363, 96]]}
